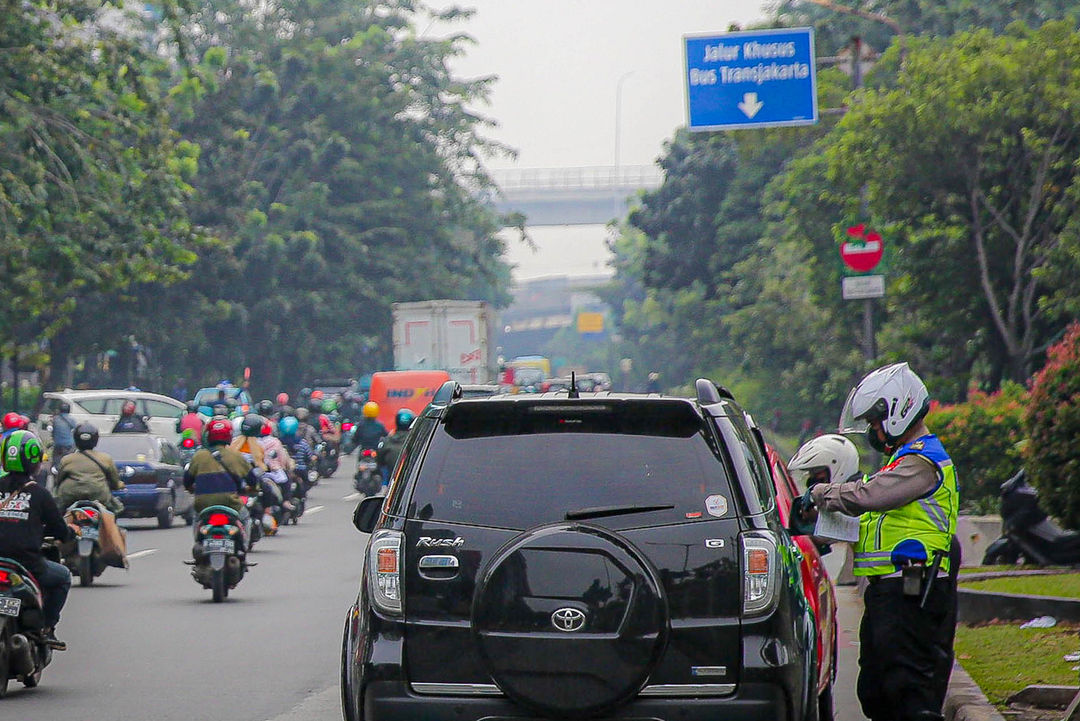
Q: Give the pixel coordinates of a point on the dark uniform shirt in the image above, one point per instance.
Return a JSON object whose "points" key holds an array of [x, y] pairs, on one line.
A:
{"points": [[27, 514], [131, 424]]}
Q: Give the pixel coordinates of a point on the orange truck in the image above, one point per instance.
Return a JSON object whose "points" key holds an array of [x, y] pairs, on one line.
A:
{"points": [[394, 390]]}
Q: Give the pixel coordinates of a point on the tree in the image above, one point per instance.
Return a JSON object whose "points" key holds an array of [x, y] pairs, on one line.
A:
{"points": [[93, 183], [970, 162]]}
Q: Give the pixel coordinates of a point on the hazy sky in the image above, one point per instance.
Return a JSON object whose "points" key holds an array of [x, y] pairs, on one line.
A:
{"points": [[559, 63]]}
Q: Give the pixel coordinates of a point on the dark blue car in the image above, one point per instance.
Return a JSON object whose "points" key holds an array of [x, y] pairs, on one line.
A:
{"points": [[153, 475]]}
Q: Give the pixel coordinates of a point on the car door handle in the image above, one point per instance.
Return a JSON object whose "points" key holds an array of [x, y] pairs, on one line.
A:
{"points": [[438, 568]]}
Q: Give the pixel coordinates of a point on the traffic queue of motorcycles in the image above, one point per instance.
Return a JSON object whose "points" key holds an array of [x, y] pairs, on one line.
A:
{"points": [[292, 458]]}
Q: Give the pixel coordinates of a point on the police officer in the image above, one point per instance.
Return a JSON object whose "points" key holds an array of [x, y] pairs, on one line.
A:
{"points": [[907, 516]]}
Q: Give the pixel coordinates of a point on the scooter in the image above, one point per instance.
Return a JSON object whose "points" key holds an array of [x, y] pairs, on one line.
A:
{"points": [[83, 556], [23, 652], [327, 463], [367, 480], [219, 561], [1029, 535]]}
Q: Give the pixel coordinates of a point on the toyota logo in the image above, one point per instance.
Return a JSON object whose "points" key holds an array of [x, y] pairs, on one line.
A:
{"points": [[568, 619]]}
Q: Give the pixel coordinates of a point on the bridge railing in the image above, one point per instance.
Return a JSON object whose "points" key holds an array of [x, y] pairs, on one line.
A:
{"points": [[584, 178]]}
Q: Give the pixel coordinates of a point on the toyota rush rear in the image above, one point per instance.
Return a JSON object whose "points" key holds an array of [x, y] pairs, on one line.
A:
{"points": [[602, 556]]}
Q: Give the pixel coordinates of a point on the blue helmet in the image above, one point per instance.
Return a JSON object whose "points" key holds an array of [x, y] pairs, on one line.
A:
{"points": [[287, 426], [404, 419]]}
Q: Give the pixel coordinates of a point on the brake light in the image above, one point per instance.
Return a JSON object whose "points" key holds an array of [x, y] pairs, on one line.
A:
{"points": [[368, 453], [218, 519], [5, 579], [761, 568], [188, 443], [346, 426], [384, 570]]}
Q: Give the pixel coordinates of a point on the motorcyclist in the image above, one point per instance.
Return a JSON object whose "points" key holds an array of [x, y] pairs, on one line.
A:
{"points": [[306, 430], [190, 420], [217, 474], [247, 443], [297, 448], [129, 422], [27, 514], [369, 432], [63, 429], [88, 475], [12, 422], [390, 448]]}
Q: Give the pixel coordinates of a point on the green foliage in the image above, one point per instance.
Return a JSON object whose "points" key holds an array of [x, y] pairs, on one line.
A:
{"points": [[92, 179], [984, 437], [1053, 425]]}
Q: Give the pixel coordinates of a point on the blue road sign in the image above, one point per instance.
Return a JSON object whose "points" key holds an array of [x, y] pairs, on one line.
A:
{"points": [[753, 79]]}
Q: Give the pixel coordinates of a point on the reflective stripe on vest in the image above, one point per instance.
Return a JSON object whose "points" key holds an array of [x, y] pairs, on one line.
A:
{"points": [[912, 533]]}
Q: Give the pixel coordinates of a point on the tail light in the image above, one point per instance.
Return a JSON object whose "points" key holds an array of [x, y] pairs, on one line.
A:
{"points": [[5, 579], [188, 443], [218, 519], [346, 426], [368, 453], [761, 570], [384, 570]]}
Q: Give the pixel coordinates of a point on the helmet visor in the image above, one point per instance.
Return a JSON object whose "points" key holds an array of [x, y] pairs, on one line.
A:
{"points": [[848, 422]]}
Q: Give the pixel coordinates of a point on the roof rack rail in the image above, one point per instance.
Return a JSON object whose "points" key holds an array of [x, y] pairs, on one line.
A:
{"points": [[709, 392], [448, 392]]}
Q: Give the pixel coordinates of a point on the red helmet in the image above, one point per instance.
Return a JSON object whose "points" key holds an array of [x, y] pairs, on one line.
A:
{"points": [[128, 409], [316, 395], [282, 399], [12, 421], [267, 429], [218, 430]]}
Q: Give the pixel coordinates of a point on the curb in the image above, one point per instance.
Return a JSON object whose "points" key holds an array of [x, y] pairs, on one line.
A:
{"points": [[980, 606], [965, 701]]}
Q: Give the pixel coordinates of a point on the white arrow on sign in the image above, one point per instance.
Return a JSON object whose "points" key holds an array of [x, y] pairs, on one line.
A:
{"points": [[750, 105]]}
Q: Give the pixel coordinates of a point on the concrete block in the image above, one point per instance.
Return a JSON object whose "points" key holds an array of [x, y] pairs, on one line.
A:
{"points": [[976, 533]]}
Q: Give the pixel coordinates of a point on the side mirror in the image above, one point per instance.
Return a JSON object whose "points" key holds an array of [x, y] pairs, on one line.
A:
{"points": [[367, 513]]}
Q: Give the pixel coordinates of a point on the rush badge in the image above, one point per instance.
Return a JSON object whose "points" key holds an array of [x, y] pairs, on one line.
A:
{"points": [[716, 506]]}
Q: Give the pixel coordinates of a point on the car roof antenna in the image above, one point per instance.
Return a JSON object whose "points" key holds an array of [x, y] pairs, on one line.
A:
{"points": [[573, 392]]}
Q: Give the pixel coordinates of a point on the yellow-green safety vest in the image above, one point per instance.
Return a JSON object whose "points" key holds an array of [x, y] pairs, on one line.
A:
{"points": [[889, 540]]}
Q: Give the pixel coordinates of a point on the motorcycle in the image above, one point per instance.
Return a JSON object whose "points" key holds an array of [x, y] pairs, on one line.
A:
{"points": [[83, 556], [219, 561], [368, 480], [188, 447], [1029, 535], [23, 652], [347, 444], [327, 463]]}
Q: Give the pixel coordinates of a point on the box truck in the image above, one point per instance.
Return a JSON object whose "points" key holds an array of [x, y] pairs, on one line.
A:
{"points": [[450, 335]]}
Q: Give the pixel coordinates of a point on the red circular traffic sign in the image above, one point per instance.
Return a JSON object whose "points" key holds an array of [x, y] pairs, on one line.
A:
{"points": [[863, 252]]}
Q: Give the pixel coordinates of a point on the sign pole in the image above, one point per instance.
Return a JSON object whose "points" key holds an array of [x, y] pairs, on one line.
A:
{"points": [[869, 351]]}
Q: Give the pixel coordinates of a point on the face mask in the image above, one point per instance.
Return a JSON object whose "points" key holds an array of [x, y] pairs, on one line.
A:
{"points": [[875, 441]]}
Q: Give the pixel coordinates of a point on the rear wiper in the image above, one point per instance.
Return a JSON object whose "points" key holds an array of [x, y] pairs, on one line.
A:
{"points": [[605, 511]]}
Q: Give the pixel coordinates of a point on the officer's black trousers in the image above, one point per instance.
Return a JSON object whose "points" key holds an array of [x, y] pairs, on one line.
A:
{"points": [[903, 651]]}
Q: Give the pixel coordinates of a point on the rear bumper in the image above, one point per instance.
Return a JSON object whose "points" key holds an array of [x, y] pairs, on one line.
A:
{"points": [[750, 702]]}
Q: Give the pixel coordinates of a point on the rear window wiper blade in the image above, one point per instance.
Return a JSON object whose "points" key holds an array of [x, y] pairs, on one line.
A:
{"points": [[605, 511]]}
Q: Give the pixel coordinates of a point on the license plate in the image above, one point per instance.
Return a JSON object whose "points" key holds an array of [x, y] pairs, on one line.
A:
{"points": [[223, 545], [89, 533], [10, 606]]}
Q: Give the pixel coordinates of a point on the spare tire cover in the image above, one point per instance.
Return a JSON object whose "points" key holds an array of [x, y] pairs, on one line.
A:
{"points": [[570, 619]]}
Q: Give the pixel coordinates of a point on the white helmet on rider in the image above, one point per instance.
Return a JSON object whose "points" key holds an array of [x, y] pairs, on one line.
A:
{"points": [[831, 452], [894, 395]]}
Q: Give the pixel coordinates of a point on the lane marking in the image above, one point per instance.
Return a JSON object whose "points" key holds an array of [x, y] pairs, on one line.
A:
{"points": [[140, 554], [352, 496], [313, 509]]}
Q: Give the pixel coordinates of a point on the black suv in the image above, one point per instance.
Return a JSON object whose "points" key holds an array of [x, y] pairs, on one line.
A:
{"points": [[579, 556]]}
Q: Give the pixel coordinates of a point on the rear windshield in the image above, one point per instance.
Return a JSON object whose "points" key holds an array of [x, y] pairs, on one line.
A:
{"points": [[129, 447], [524, 469]]}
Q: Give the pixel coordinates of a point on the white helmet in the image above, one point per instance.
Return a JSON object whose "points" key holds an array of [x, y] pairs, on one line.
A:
{"points": [[895, 395], [832, 451]]}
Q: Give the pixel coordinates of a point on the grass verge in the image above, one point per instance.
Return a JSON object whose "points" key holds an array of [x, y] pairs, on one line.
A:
{"points": [[1003, 658], [1065, 585]]}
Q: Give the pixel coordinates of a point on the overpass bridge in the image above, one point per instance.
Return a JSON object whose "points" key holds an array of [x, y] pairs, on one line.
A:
{"points": [[592, 195]]}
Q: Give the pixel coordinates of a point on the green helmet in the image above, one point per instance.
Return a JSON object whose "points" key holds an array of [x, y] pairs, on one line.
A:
{"points": [[329, 406], [22, 453]]}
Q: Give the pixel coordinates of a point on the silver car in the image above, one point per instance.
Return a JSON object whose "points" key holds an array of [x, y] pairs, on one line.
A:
{"points": [[102, 408]]}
